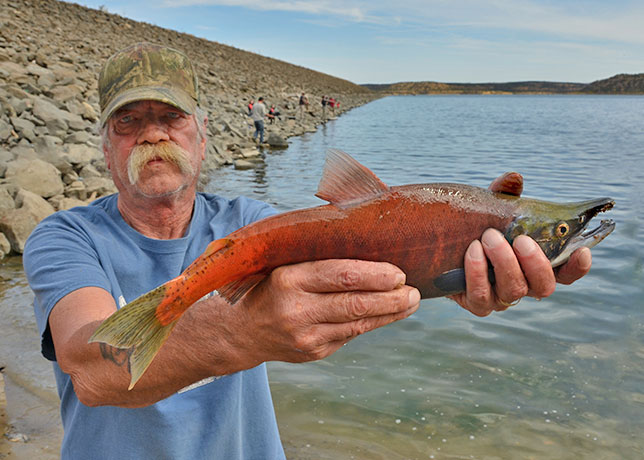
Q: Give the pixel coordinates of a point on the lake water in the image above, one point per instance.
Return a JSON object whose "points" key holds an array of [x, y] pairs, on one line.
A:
{"points": [[558, 378]]}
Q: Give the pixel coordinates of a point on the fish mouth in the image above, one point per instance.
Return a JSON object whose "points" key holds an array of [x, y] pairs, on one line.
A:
{"points": [[594, 207], [588, 238]]}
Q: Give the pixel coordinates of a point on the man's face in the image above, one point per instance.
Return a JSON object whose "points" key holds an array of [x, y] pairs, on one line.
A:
{"points": [[153, 149]]}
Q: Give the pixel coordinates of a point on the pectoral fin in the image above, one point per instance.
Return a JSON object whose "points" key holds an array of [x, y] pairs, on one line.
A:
{"points": [[453, 281]]}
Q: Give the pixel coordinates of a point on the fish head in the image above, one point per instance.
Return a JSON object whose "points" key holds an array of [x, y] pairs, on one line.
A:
{"points": [[561, 228]]}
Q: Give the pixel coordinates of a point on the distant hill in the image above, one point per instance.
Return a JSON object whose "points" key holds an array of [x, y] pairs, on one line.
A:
{"points": [[619, 84]]}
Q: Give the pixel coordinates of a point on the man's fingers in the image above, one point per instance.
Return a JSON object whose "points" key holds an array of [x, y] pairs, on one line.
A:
{"points": [[479, 296], [351, 306], [536, 267], [328, 337], [511, 284], [341, 275], [578, 266]]}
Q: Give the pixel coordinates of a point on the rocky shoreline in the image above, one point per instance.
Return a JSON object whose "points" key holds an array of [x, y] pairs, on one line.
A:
{"points": [[50, 56]]}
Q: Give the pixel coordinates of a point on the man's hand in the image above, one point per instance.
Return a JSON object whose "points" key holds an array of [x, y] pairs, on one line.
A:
{"points": [[307, 311], [520, 270]]}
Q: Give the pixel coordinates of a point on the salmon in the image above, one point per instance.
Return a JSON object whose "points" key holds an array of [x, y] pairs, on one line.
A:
{"points": [[424, 229]]}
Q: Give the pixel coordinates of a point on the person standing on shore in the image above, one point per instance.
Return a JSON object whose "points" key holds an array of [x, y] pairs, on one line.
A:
{"points": [[257, 113], [303, 105], [324, 103], [206, 394]]}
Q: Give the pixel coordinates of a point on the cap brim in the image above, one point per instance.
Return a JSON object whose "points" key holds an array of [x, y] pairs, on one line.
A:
{"points": [[173, 96]]}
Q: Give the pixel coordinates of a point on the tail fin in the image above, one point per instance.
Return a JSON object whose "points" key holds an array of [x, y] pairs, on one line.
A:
{"points": [[137, 327]]}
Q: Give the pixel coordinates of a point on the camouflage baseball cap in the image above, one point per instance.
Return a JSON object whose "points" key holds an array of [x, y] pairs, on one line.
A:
{"points": [[145, 71]]}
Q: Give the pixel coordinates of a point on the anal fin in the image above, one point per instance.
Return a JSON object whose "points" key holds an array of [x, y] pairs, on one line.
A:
{"points": [[234, 291]]}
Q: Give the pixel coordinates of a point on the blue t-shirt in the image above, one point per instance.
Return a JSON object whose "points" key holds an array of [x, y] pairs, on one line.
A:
{"points": [[229, 417]]}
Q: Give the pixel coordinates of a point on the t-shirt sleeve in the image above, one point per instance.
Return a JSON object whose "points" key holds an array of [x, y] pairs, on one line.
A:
{"points": [[257, 210], [59, 258]]}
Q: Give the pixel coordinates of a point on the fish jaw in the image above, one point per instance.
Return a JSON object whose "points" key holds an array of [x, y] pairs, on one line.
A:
{"points": [[587, 239], [561, 228]]}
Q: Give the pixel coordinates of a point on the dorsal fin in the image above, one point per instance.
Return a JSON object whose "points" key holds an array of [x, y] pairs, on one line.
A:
{"points": [[345, 181]]}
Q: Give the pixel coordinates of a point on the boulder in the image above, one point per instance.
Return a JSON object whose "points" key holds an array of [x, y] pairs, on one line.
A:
{"points": [[6, 200], [51, 116], [24, 128], [17, 225], [5, 130], [56, 119], [276, 141], [82, 154], [35, 204], [249, 153], [13, 71], [98, 186], [5, 249], [64, 203], [244, 164], [36, 176]]}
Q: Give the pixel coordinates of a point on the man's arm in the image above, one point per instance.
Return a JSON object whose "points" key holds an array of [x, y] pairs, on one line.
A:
{"points": [[300, 313]]}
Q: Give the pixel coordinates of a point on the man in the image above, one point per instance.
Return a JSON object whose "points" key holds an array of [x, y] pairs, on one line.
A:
{"points": [[303, 105], [257, 113], [206, 393]]}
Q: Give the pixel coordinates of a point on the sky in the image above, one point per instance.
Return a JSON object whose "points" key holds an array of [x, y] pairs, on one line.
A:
{"points": [[389, 41]]}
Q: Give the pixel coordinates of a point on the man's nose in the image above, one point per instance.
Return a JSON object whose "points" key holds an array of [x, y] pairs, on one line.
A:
{"points": [[152, 131]]}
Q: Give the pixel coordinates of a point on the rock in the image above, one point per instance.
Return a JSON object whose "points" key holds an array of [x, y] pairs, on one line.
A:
{"points": [[244, 164], [78, 137], [5, 157], [14, 72], [276, 141], [36, 69], [88, 112], [24, 128], [64, 203], [6, 200], [82, 154], [5, 249], [3, 402], [89, 171], [5, 130], [65, 93], [21, 153], [52, 116], [36, 176], [249, 153], [98, 186], [35, 204], [55, 119], [17, 224]]}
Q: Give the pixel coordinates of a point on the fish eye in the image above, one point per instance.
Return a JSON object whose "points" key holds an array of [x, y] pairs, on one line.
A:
{"points": [[562, 229]]}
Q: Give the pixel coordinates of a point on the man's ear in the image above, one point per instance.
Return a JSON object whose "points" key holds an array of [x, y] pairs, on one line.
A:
{"points": [[106, 155], [204, 141]]}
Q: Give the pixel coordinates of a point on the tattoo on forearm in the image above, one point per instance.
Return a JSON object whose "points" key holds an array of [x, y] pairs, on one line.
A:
{"points": [[118, 356]]}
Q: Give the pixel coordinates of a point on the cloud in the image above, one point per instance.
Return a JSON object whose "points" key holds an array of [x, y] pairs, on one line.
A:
{"points": [[351, 10], [618, 21]]}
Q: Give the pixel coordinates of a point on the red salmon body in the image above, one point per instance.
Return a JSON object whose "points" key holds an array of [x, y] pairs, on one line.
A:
{"points": [[423, 229]]}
